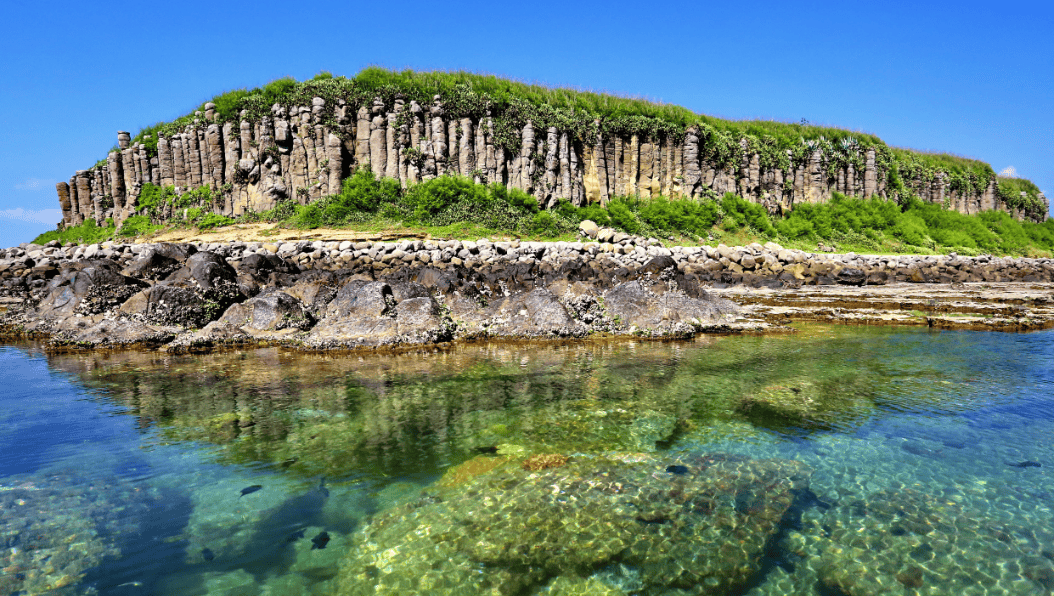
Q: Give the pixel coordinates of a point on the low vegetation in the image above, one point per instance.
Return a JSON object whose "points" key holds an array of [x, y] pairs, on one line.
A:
{"points": [[451, 206]]}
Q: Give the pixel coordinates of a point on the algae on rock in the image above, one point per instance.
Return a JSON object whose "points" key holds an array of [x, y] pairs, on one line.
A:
{"points": [[699, 523]]}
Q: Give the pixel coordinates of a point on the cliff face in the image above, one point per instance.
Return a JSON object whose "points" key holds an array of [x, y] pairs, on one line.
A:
{"points": [[303, 152]]}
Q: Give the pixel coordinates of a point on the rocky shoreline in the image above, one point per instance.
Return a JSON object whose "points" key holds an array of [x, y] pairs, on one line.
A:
{"points": [[348, 295]]}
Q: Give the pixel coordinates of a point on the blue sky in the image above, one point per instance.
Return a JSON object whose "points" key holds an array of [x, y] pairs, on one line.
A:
{"points": [[969, 78]]}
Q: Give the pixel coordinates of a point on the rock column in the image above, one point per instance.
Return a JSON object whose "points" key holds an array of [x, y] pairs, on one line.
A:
{"points": [[63, 190]]}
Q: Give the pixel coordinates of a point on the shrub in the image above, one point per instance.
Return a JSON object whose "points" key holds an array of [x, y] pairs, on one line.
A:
{"points": [[739, 213], [513, 196], [136, 225], [796, 228], [620, 211], [544, 223], [153, 199], [680, 215], [308, 216], [213, 220], [362, 192], [427, 199], [911, 229], [86, 233]]}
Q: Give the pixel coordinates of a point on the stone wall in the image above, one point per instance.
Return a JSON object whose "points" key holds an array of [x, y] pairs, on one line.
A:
{"points": [[303, 153]]}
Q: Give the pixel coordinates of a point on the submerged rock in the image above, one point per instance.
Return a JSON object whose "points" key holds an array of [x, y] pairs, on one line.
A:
{"points": [[55, 527], [703, 531], [590, 427], [897, 541]]}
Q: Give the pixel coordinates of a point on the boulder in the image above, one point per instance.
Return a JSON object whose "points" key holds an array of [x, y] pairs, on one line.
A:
{"points": [[205, 270], [255, 269], [154, 264], [171, 305], [196, 294], [659, 264], [271, 311], [851, 276], [316, 289], [671, 312], [87, 288], [367, 314], [589, 228]]}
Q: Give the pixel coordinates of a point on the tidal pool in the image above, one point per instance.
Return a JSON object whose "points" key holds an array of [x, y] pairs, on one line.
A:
{"points": [[837, 460]]}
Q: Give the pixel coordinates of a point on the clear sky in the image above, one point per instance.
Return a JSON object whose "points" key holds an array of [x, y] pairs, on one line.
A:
{"points": [[970, 78]]}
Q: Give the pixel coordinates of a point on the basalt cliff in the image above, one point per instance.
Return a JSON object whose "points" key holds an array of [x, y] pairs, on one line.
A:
{"points": [[255, 154]]}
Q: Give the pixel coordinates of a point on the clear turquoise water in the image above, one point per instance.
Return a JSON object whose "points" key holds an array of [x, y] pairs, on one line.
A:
{"points": [[123, 473]]}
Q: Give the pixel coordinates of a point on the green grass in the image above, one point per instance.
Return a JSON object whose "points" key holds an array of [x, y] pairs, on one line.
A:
{"points": [[451, 206], [454, 206], [87, 233]]}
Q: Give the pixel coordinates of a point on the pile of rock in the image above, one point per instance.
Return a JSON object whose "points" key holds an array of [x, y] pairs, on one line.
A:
{"points": [[386, 294], [365, 294]]}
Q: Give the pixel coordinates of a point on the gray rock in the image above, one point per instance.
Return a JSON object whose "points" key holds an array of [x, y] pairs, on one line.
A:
{"points": [[114, 333], [366, 314], [270, 311], [93, 287], [670, 312]]}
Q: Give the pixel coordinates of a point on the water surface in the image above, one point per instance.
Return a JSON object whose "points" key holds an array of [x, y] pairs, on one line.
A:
{"points": [[838, 460]]}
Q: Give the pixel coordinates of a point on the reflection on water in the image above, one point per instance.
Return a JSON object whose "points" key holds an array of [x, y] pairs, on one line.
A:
{"points": [[837, 460]]}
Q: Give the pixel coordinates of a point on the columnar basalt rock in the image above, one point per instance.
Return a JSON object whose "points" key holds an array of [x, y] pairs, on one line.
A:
{"points": [[438, 147], [84, 204], [304, 153], [117, 179], [63, 190], [378, 148]]}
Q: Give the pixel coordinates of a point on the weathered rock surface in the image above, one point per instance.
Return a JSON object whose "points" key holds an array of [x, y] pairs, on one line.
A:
{"points": [[669, 312], [382, 294], [87, 288], [194, 295], [367, 314]]}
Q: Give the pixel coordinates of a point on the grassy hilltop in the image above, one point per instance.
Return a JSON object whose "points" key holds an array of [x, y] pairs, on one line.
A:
{"points": [[453, 206]]}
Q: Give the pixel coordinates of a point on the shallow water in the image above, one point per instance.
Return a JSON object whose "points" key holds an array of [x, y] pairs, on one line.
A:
{"points": [[835, 460]]}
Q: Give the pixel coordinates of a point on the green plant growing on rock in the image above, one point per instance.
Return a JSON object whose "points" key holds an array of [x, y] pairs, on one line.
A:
{"points": [[88, 232]]}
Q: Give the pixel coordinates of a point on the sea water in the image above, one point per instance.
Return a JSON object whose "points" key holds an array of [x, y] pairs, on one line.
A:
{"points": [[834, 460]]}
